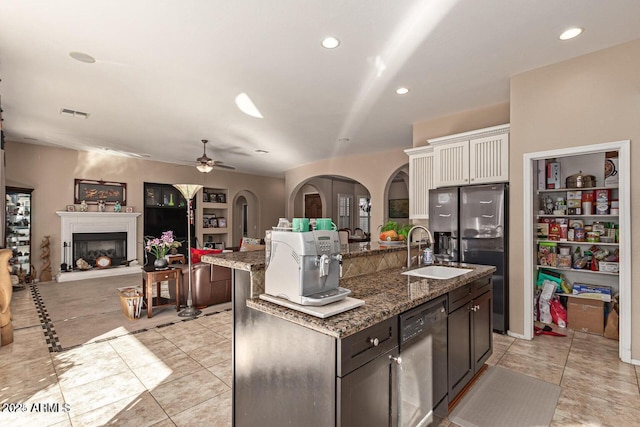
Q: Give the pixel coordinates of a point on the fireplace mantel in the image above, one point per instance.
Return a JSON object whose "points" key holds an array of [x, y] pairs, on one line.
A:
{"points": [[98, 222]]}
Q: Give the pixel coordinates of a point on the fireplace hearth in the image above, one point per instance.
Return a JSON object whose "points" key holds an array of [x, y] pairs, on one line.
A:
{"points": [[104, 226], [91, 246]]}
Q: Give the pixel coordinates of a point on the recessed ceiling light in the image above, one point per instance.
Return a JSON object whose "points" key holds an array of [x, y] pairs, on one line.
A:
{"points": [[571, 33], [82, 57], [246, 105], [402, 91], [330, 43], [260, 151]]}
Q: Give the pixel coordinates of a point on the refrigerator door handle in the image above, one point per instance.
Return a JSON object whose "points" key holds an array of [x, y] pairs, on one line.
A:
{"points": [[486, 202], [444, 216], [488, 216]]}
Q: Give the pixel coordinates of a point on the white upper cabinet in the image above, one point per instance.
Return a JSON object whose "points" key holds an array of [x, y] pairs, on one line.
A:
{"points": [[476, 157], [452, 164], [489, 159], [421, 180]]}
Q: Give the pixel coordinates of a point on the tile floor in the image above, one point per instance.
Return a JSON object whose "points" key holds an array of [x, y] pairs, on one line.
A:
{"points": [[180, 375]]}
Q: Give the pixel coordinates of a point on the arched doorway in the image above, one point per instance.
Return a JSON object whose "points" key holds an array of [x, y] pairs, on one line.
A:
{"points": [[246, 216], [344, 200]]}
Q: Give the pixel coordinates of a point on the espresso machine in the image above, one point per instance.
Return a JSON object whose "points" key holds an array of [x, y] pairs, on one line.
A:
{"points": [[304, 268], [443, 223]]}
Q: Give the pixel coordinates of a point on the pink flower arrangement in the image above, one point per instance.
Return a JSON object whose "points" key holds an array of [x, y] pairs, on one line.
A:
{"points": [[160, 247]]}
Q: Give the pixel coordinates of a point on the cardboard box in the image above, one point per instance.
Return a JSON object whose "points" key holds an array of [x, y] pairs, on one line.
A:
{"points": [[609, 267], [574, 195], [585, 315], [553, 175], [542, 174], [611, 177], [592, 291], [542, 230]]}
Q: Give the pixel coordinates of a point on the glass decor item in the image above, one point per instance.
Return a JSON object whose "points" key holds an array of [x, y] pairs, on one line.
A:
{"points": [[160, 263]]}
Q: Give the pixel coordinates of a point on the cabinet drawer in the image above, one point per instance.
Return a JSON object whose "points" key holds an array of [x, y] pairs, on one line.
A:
{"points": [[358, 349], [459, 297], [481, 286]]}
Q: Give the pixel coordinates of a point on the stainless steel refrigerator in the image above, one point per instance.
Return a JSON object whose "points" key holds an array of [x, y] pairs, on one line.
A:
{"points": [[479, 235], [443, 223]]}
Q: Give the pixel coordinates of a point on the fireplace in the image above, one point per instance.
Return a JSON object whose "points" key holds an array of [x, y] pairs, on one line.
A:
{"points": [[115, 234], [91, 246]]}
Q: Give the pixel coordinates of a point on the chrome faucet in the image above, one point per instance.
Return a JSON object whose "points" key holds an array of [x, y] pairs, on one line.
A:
{"points": [[409, 243]]}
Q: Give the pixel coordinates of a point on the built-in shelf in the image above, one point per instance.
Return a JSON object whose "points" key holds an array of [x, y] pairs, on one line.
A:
{"points": [[575, 270], [560, 190], [213, 207], [574, 243], [577, 216]]}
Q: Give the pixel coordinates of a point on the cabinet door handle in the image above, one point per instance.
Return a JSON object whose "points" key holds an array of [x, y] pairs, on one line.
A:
{"points": [[397, 360], [374, 341]]}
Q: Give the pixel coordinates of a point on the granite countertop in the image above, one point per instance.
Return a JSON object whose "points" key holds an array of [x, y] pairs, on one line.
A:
{"points": [[386, 294], [248, 261], [254, 260]]}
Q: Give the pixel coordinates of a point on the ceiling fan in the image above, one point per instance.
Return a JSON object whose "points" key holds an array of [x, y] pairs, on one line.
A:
{"points": [[205, 164]]}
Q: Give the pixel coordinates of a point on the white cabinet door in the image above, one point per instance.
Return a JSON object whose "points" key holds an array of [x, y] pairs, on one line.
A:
{"points": [[489, 159], [452, 164], [420, 181]]}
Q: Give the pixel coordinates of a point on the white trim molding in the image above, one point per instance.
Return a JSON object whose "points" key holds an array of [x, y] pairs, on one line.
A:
{"points": [[624, 194], [99, 222]]}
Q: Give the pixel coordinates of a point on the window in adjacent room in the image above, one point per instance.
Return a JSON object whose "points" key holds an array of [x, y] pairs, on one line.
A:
{"points": [[345, 203]]}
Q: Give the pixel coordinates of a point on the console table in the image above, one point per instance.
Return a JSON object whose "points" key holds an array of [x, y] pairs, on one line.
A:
{"points": [[150, 276]]}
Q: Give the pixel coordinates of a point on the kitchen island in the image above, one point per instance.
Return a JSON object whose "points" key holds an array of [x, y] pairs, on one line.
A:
{"points": [[291, 368]]}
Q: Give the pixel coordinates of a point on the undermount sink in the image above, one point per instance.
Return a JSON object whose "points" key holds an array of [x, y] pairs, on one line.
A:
{"points": [[438, 272]]}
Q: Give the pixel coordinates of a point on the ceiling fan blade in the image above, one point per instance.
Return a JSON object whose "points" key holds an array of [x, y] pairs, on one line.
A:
{"points": [[222, 165]]}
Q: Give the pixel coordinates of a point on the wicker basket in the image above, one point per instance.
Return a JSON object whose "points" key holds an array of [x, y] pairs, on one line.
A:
{"points": [[131, 302]]}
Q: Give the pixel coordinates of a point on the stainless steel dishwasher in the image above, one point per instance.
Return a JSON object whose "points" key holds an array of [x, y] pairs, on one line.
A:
{"points": [[423, 370]]}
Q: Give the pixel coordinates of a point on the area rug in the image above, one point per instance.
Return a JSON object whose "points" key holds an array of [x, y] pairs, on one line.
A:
{"points": [[505, 398]]}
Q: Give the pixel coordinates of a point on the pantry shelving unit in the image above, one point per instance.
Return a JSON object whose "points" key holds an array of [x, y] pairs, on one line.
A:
{"points": [[576, 274], [589, 159]]}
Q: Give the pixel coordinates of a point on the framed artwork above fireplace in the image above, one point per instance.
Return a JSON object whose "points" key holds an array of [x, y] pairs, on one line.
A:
{"points": [[94, 191]]}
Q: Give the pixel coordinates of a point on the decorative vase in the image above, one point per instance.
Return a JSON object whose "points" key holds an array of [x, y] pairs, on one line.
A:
{"points": [[160, 263]]}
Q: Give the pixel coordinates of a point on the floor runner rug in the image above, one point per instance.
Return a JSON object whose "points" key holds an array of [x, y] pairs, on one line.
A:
{"points": [[505, 398]]}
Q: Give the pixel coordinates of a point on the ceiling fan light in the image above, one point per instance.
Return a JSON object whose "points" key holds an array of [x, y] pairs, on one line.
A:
{"points": [[204, 168]]}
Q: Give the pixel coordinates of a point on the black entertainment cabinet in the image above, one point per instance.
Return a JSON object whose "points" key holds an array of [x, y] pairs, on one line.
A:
{"points": [[165, 209]]}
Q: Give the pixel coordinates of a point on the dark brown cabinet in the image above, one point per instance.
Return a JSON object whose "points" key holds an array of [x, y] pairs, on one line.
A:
{"points": [[470, 332], [368, 395], [165, 210], [367, 387]]}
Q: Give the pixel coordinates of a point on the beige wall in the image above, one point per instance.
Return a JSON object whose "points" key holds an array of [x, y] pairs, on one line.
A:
{"points": [[492, 115], [51, 172], [588, 100]]}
